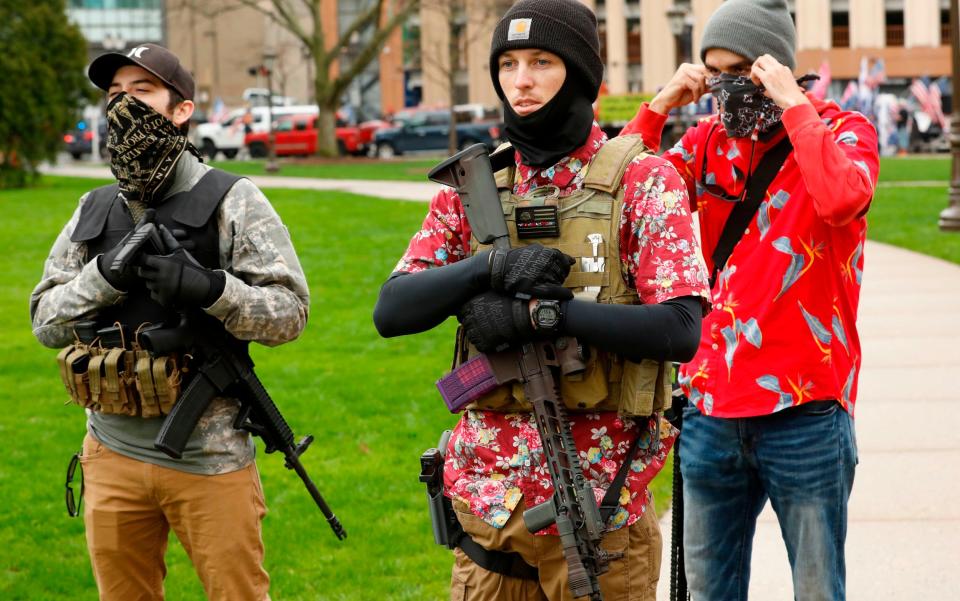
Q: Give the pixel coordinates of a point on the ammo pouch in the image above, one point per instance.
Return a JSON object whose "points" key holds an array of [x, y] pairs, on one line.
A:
{"points": [[589, 222], [117, 381]]}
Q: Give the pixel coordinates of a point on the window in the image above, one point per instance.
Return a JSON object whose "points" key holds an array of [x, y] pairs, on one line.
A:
{"points": [[945, 27], [840, 29], [894, 20]]}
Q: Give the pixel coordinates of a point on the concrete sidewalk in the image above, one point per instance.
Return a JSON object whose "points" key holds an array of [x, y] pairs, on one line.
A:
{"points": [[393, 190], [903, 542]]}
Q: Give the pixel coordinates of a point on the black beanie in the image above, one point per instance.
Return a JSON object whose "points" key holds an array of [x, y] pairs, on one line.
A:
{"points": [[566, 28]]}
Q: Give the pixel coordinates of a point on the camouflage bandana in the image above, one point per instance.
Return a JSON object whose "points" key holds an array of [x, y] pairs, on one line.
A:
{"points": [[144, 147], [743, 106]]}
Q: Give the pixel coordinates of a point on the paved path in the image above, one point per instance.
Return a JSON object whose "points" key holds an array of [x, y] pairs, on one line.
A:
{"points": [[903, 542], [904, 533], [381, 189]]}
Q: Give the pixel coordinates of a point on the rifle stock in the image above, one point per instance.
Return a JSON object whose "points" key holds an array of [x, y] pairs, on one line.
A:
{"points": [[574, 507]]}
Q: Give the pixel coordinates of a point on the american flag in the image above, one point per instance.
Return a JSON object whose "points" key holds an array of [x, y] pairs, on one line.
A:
{"points": [[928, 96]]}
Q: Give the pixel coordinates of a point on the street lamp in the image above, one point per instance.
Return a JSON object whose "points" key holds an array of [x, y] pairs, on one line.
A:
{"points": [[269, 57], [950, 217]]}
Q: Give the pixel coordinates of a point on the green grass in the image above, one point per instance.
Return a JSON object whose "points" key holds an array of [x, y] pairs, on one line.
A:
{"points": [[907, 217], [915, 169], [414, 170], [371, 403]]}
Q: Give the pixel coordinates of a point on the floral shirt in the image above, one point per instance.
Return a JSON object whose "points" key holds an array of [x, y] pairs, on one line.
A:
{"points": [[784, 332], [495, 459]]}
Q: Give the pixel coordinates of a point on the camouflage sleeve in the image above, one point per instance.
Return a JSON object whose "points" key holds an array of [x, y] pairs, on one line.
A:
{"points": [[71, 289], [265, 298]]}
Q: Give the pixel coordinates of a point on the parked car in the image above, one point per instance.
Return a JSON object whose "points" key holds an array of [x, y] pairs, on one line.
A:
{"points": [[228, 136], [297, 135], [419, 131], [79, 140]]}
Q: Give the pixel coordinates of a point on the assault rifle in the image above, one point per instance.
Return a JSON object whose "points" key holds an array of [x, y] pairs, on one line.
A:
{"points": [[226, 369], [573, 507]]}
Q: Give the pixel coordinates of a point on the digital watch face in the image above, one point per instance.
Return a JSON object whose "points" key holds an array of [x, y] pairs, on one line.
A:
{"points": [[547, 315]]}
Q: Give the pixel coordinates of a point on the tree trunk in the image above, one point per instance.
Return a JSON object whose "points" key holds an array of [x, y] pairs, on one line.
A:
{"points": [[327, 131]]}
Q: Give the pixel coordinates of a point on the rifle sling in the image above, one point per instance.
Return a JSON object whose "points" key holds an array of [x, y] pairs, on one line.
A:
{"points": [[611, 500], [743, 212]]}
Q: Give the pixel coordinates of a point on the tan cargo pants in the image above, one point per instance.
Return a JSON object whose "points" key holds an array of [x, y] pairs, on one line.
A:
{"points": [[130, 507], [631, 578]]}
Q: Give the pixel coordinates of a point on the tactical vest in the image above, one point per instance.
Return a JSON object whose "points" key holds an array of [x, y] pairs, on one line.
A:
{"points": [[610, 382], [125, 379]]}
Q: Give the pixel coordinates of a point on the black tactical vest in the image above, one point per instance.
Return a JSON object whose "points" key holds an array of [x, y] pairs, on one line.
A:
{"points": [[105, 220]]}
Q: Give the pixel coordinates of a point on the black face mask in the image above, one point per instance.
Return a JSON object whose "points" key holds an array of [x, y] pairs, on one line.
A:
{"points": [[555, 130], [144, 147], [743, 106]]}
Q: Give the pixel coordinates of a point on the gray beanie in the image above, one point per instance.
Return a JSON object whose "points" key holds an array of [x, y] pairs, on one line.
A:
{"points": [[752, 28], [566, 28]]}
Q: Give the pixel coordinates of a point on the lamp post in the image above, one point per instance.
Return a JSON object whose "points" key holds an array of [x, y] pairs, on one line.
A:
{"points": [[950, 217], [268, 60]]}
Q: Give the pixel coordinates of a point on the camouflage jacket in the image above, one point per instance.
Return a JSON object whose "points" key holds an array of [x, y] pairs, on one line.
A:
{"points": [[265, 300]]}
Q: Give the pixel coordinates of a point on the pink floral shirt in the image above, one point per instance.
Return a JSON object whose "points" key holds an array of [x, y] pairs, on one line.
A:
{"points": [[495, 459]]}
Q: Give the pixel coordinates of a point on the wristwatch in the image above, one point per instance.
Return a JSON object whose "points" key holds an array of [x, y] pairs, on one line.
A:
{"points": [[547, 316]]}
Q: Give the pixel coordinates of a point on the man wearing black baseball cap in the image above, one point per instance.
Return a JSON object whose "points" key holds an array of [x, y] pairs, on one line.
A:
{"points": [[229, 260]]}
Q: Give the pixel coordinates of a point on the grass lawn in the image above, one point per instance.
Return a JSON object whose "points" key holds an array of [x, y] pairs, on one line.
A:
{"points": [[414, 170], [371, 403], [916, 169], [907, 217]]}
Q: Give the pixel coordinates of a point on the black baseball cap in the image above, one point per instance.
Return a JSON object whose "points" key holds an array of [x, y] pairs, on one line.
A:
{"points": [[155, 59]]}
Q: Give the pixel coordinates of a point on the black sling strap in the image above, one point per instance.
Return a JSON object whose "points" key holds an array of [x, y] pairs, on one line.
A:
{"points": [[741, 215]]}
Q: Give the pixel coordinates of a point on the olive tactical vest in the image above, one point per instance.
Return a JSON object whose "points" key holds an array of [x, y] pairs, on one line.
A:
{"points": [[610, 382]]}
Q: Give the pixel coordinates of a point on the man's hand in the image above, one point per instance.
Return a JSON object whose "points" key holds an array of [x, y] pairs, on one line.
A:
{"points": [[492, 321], [178, 280], [687, 85], [534, 270], [778, 81]]}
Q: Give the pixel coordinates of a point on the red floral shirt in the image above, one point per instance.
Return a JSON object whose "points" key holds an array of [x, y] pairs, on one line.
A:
{"points": [[784, 329], [495, 459]]}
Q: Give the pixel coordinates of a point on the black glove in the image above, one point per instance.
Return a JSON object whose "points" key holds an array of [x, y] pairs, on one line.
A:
{"points": [[128, 277], [178, 280], [492, 321], [534, 270]]}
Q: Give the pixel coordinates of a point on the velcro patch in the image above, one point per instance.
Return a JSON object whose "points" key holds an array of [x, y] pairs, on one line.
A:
{"points": [[519, 29]]}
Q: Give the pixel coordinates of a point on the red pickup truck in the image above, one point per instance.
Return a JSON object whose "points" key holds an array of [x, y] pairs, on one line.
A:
{"points": [[296, 135]]}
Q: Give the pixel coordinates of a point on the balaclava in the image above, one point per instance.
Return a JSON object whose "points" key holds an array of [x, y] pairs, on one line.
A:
{"points": [[568, 29], [144, 147], [749, 28]]}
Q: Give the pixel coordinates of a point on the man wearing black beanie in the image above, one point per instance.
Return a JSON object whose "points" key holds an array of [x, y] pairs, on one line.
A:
{"points": [[773, 387], [632, 295]]}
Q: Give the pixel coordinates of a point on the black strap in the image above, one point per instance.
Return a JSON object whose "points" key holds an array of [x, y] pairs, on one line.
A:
{"points": [[611, 500], [741, 215], [508, 563]]}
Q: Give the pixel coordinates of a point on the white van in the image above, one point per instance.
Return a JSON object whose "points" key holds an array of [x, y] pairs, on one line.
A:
{"points": [[227, 136]]}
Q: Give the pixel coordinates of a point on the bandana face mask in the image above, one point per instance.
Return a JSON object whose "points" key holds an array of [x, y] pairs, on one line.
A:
{"points": [[743, 106], [144, 146]]}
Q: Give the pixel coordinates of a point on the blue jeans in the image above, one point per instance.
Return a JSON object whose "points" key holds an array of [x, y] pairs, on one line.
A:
{"points": [[803, 460]]}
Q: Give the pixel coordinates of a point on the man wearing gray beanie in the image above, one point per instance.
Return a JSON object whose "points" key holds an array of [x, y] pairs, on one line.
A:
{"points": [[781, 182], [602, 239]]}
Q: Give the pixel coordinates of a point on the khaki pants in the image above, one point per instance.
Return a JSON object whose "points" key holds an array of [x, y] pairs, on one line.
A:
{"points": [[631, 578], [130, 507]]}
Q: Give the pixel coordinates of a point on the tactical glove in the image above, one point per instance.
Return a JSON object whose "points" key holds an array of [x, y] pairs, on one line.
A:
{"points": [[128, 277], [533, 270], [178, 279], [492, 321]]}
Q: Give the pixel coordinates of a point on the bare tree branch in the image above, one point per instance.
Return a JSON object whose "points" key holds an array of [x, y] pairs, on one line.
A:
{"points": [[362, 21]]}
